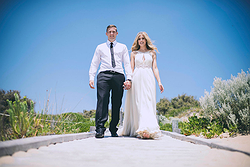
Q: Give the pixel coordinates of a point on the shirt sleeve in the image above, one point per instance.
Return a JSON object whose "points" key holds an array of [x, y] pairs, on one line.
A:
{"points": [[127, 65], [94, 64]]}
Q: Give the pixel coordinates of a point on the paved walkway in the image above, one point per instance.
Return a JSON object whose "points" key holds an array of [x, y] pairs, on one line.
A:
{"points": [[125, 152]]}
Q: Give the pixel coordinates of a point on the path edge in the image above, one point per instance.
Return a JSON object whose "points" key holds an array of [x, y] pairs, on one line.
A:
{"points": [[11, 146], [201, 141]]}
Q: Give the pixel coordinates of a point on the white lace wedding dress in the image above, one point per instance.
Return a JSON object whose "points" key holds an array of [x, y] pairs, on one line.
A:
{"points": [[140, 104]]}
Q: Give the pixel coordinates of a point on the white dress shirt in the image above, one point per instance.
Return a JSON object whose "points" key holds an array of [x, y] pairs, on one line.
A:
{"points": [[103, 55]]}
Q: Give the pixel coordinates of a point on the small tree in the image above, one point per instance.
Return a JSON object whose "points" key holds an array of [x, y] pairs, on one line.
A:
{"points": [[176, 105], [4, 96], [163, 106]]}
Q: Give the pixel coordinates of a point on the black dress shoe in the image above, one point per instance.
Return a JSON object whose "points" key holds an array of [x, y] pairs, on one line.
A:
{"points": [[114, 135], [99, 135]]}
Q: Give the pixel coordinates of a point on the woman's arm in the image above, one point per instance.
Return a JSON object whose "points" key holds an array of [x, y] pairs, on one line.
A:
{"points": [[132, 61], [156, 71], [127, 84]]}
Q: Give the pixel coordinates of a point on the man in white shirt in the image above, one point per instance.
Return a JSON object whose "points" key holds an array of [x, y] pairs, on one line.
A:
{"points": [[111, 55]]}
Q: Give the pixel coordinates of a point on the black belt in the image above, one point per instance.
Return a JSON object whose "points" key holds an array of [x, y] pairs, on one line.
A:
{"points": [[111, 72]]}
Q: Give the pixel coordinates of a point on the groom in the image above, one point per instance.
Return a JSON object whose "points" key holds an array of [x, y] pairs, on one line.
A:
{"points": [[111, 55]]}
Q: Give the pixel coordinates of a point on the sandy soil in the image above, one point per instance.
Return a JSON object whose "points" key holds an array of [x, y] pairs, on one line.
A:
{"points": [[238, 142]]}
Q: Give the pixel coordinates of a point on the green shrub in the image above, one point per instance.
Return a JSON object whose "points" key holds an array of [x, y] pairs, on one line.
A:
{"points": [[166, 127], [24, 122], [73, 123], [203, 126], [194, 126], [229, 102], [21, 117]]}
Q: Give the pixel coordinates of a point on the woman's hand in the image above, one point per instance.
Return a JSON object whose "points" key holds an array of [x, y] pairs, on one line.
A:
{"points": [[161, 87]]}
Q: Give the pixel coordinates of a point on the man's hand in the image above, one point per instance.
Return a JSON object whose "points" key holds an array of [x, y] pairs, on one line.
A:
{"points": [[127, 85], [91, 84]]}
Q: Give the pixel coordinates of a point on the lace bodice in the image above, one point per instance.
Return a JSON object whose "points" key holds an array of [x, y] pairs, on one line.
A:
{"points": [[143, 60]]}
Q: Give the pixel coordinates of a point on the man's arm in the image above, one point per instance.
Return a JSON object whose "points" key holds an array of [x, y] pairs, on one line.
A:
{"points": [[127, 64], [93, 67], [128, 70]]}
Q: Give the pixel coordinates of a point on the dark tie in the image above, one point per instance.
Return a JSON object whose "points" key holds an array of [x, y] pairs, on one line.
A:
{"points": [[112, 55]]}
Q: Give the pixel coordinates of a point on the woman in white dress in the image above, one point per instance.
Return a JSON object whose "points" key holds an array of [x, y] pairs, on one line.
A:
{"points": [[140, 106]]}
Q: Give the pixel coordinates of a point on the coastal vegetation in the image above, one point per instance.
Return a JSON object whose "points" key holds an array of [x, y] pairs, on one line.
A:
{"points": [[19, 120], [226, 109]]}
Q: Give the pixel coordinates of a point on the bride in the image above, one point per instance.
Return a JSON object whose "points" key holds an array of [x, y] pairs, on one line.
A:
{"points": [[140, 105]]}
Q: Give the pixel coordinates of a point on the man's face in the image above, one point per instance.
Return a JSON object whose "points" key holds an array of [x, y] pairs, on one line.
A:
{"points": [[112, 33]]}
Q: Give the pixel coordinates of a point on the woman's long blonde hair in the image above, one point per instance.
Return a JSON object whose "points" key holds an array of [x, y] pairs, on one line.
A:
{"points": [[149, 44]]}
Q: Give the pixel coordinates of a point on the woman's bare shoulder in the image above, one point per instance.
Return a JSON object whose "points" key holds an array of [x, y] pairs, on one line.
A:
{"points": [[153, 53], [133, 53]]}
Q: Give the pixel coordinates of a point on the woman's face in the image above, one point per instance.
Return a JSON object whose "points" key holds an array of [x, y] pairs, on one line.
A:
{"points": [[141, 40]]}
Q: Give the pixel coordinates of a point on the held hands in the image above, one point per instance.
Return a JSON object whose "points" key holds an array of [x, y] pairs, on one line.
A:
{"points": [[161, 87], [91, 84], [127, 85]]}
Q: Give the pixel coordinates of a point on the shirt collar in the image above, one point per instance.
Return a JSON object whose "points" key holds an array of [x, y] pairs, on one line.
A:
{"points": [[108, 43]]}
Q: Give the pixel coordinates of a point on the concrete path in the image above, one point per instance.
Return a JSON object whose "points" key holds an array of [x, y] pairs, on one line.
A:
{"points": [[125, 152]]}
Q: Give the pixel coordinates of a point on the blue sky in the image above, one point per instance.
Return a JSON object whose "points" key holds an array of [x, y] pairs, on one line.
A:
{"points": [[46, 46]]}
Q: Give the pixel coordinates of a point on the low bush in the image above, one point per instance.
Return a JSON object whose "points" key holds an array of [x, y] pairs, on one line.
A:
{"points": [[166, 127], [24, 122], [204, 127], [229, 102]]}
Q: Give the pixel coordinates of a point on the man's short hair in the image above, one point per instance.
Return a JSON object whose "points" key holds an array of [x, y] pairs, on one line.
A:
{"points": [[111, 25]]}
